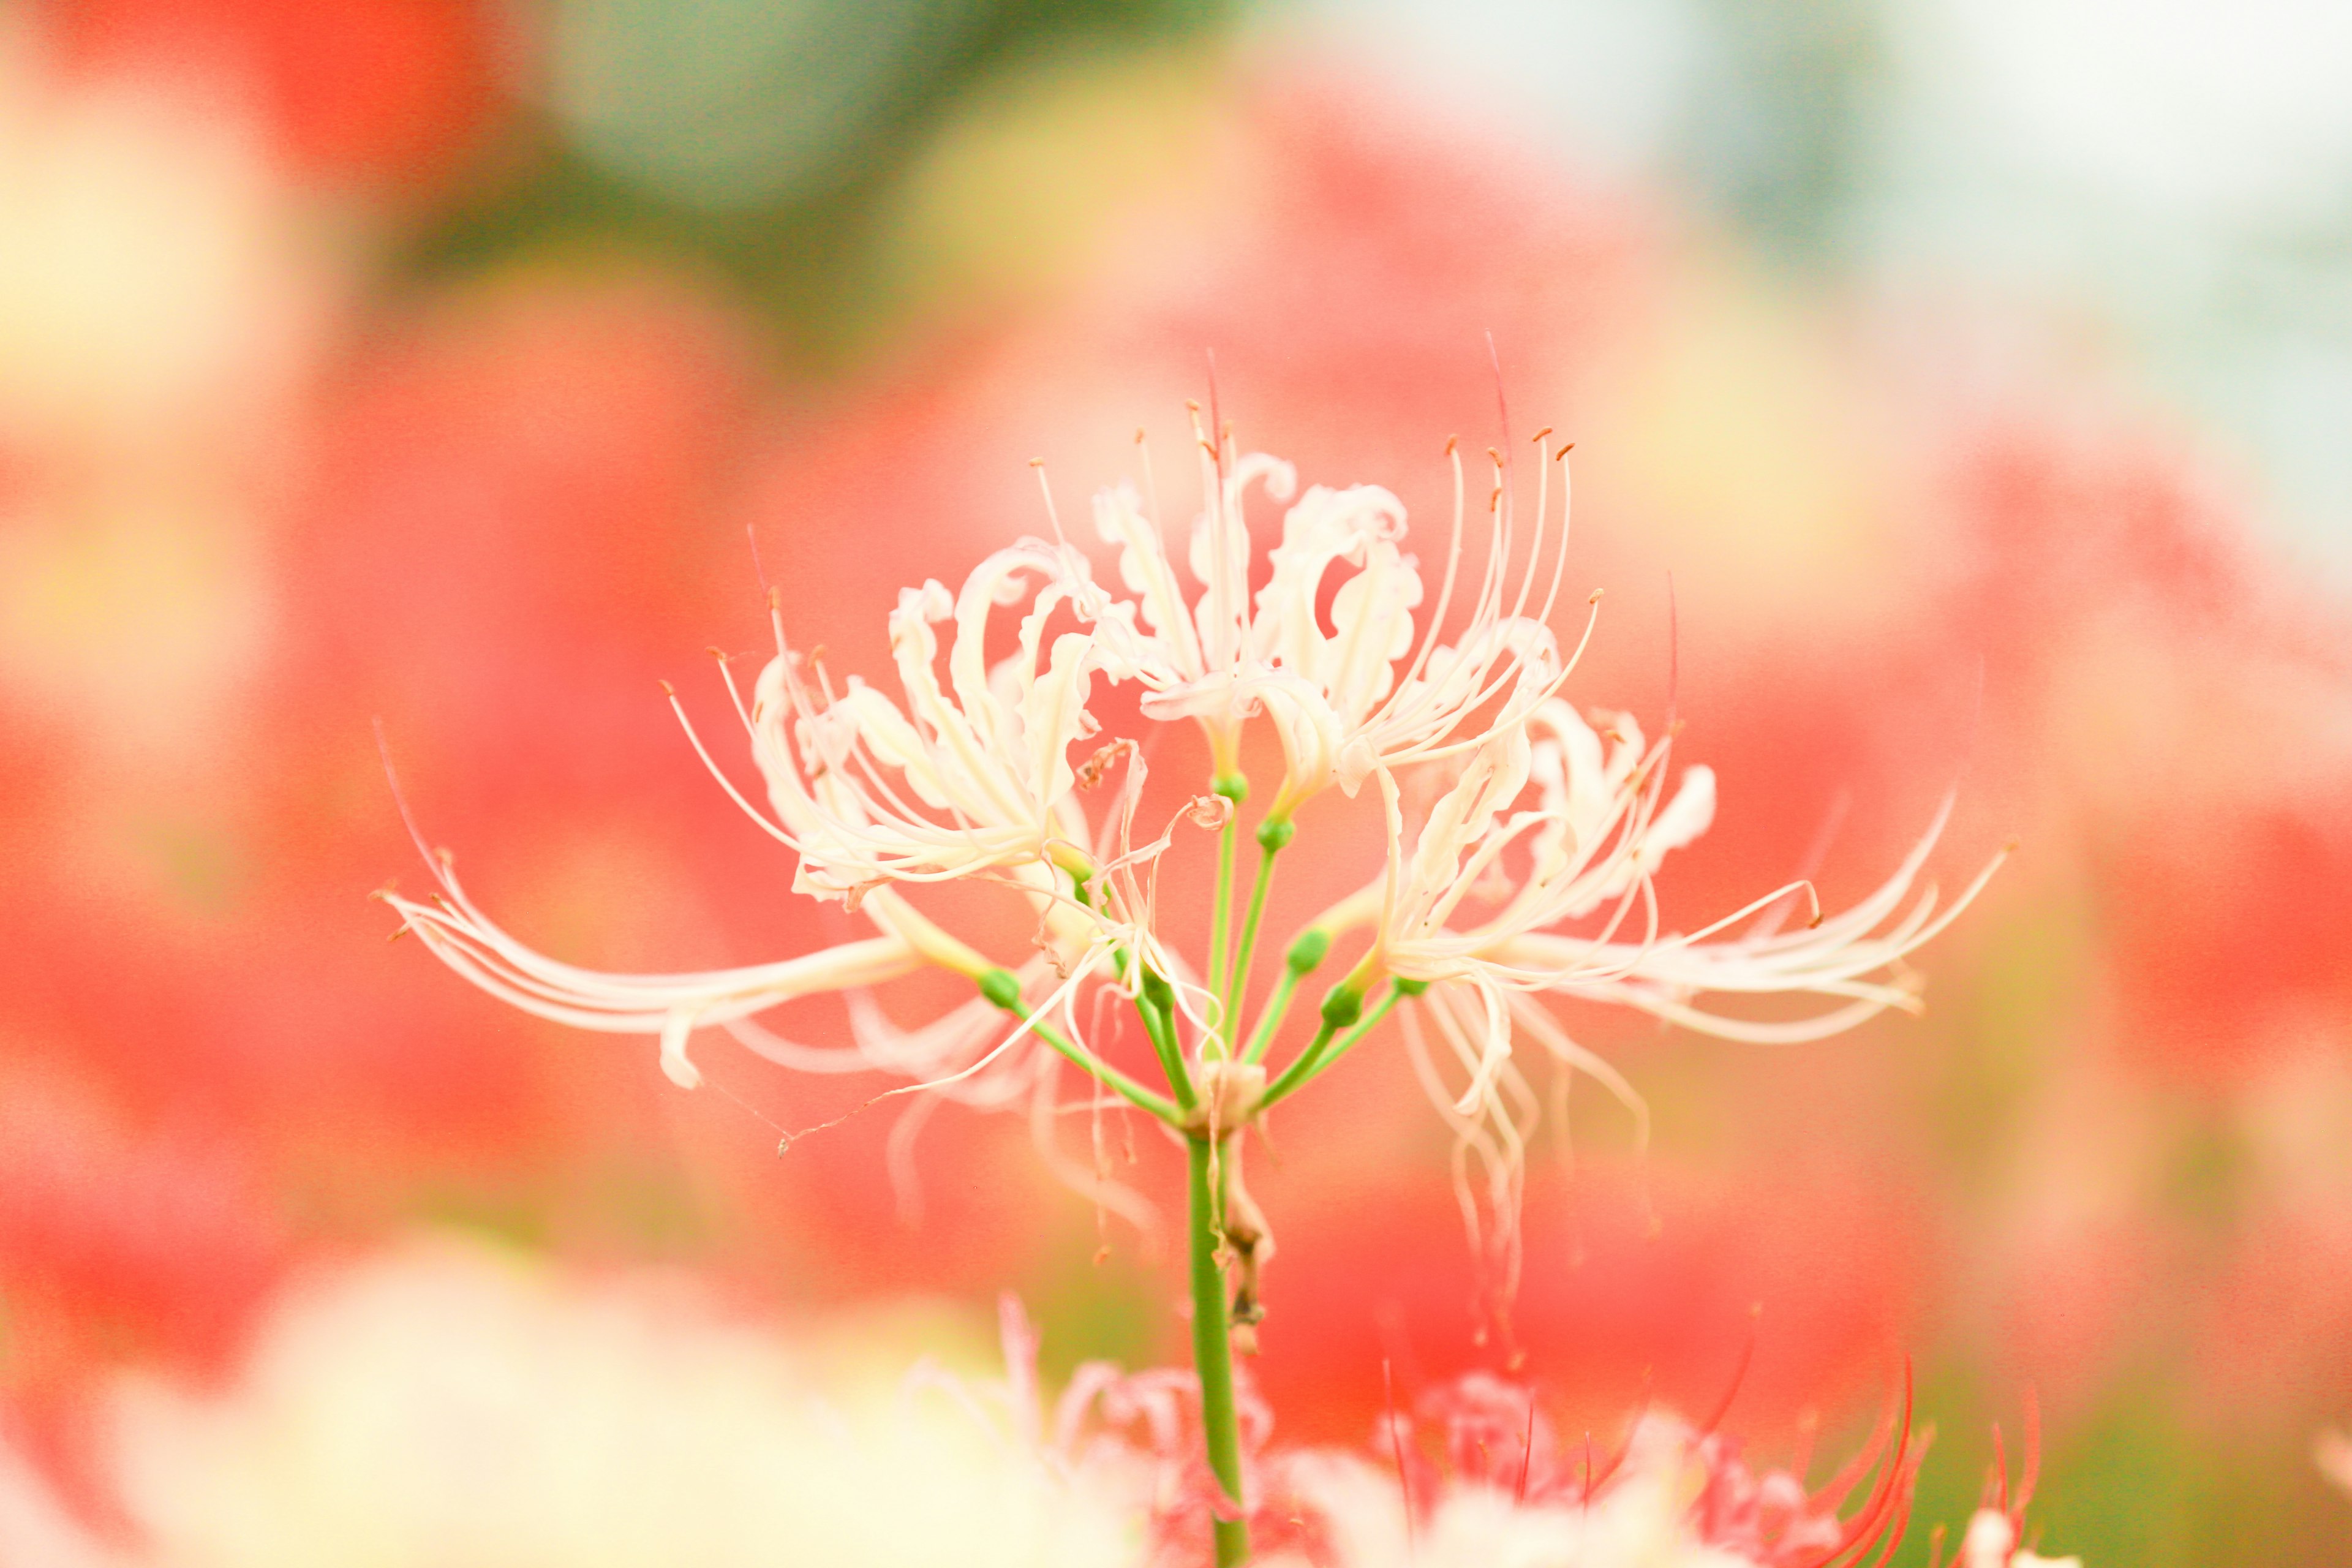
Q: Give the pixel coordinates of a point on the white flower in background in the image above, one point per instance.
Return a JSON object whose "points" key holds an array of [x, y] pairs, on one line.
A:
{"points": [[442, 1405], [2331, 1450], [1991, 1543], [165, 300], [446, 1403]]}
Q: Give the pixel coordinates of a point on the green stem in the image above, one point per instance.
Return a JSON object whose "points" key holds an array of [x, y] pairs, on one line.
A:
{"points": [[1291, 1077], [1271, 1019], [1213, 1350], [1003, 987], [1272, 836], [1298, 963], [1324, 1051], [1156, 1001], [1221, 913]]}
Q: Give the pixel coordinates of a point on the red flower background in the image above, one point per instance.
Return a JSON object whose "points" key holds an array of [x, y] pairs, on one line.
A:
{"points": [[488, 494]]}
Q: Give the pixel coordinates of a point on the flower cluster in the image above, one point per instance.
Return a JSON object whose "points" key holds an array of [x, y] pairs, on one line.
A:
{"points": [[1476, 1474], [1522, 840]]}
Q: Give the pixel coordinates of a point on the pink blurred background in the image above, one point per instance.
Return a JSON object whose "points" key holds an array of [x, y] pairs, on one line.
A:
{"points": [[430, 363]]}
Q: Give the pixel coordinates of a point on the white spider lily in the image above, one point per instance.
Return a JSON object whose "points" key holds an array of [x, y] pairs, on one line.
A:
{"points": [[1547, 828], [1531, 874], [1550, 824], [967, 777], [1338, 701]]}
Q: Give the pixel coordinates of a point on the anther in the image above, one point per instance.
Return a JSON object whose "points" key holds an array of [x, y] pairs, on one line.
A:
{"points": [[667, 690], [1452, 442], [1563, 452], [1539, 435]]}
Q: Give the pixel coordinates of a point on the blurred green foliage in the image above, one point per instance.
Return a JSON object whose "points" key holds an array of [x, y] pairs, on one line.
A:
{"points": [[802, 246]]}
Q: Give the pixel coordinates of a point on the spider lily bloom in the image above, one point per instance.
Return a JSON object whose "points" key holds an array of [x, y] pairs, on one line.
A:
{"points": [[1530, 876], [1548, 834], [967, 778], [1477, 1476], [1667, 1494], [1547, 828], [1338, 702], [971, 778]]}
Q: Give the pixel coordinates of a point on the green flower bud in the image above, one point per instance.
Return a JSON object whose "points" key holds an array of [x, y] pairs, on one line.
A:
{"points": [[1342, 1005], [1158, 992]]}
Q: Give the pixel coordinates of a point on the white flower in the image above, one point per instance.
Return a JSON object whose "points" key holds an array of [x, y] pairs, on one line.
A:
{"points": [[967, 777], [2331, 1450], [444, 1404], [1528, 875], [1338, 701], [1991, 1543], [1547, 828]]}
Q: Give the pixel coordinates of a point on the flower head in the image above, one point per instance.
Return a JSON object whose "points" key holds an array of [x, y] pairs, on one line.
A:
{"points": [[1522, 842], [1338, 701], [967, 777]]}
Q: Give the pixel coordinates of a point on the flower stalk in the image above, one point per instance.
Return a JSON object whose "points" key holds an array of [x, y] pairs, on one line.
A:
{"points": [[1213, 1349], [1521, 870]]}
